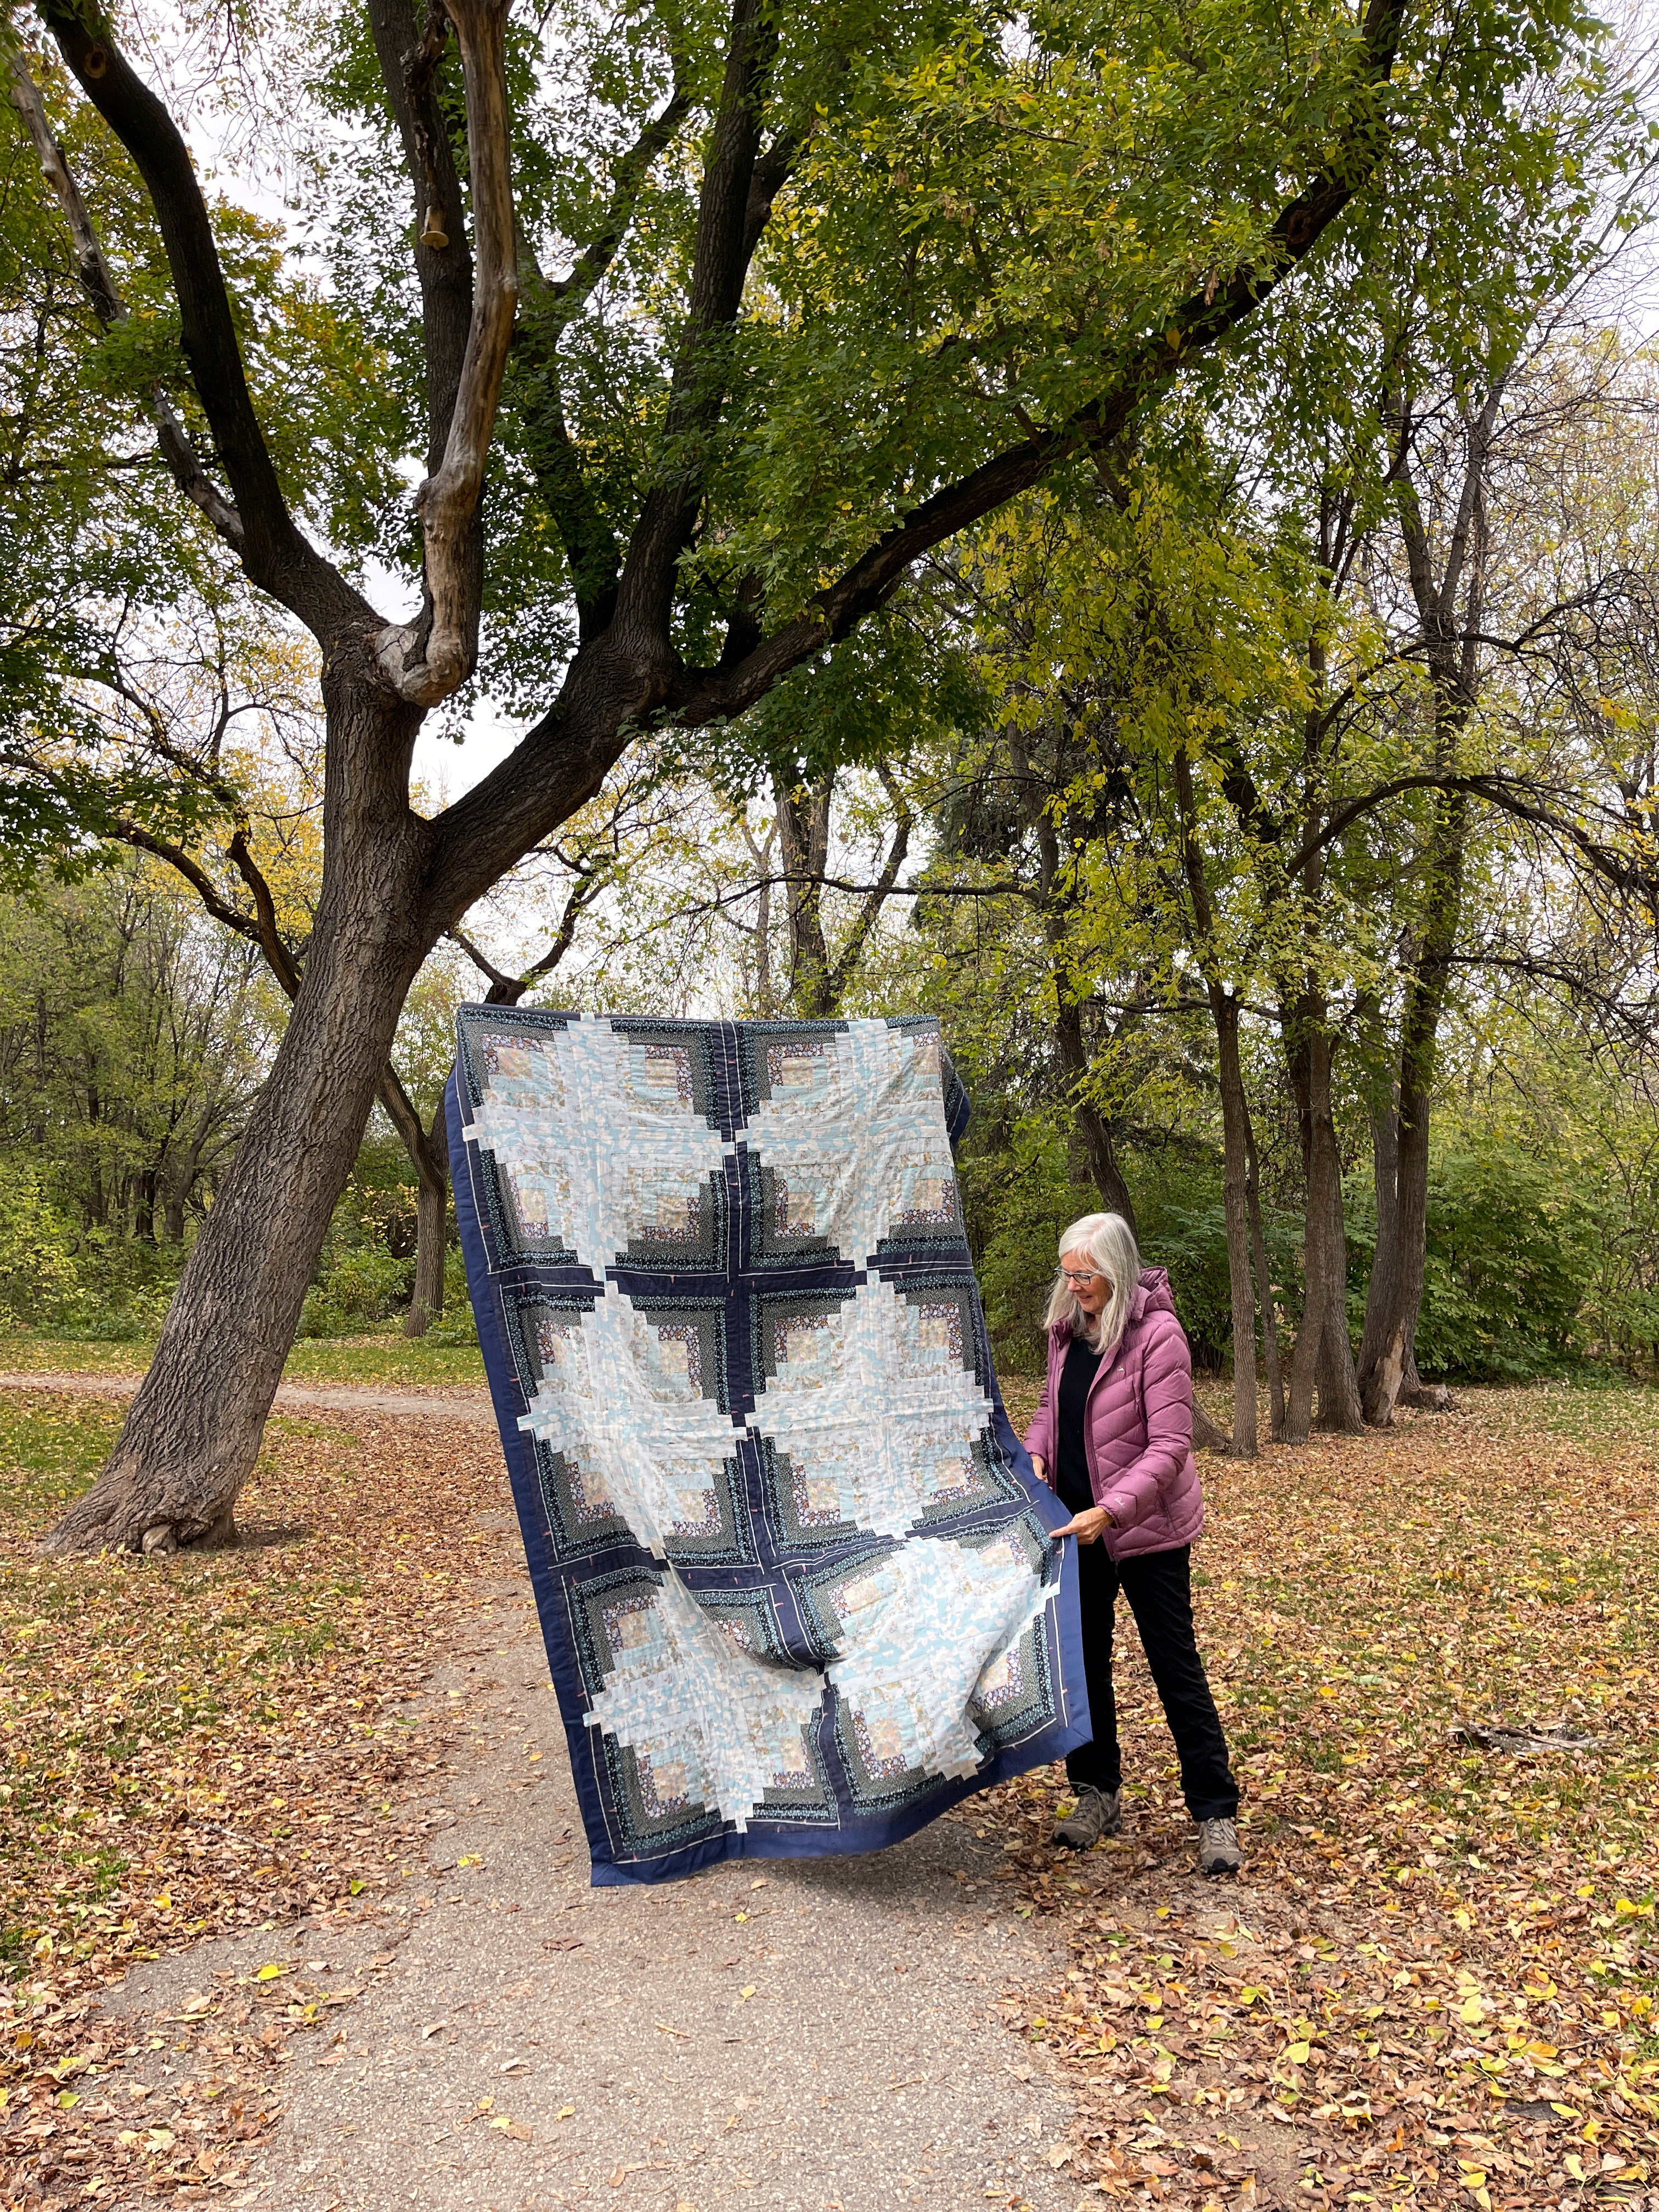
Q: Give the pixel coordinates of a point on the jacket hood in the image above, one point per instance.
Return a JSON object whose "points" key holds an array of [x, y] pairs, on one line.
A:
{"points": [[1152, 1294]]}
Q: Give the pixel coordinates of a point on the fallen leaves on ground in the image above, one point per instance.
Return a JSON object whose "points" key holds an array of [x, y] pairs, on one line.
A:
{"points": [[1436, 1984], [203, 1744]]}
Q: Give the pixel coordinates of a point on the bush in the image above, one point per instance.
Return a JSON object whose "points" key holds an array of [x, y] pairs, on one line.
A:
{"points": [[458, 1325], [356, 1286], [37, 1259], [1510, 1260]]}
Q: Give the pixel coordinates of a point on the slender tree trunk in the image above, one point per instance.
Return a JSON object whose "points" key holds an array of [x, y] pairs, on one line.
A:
{"points": [[1264, 1283], [1094, 1132], [193, 1430], [804, 846], [1235, 1174], [1388, 1369], [429, 1154], [431, 1229]]}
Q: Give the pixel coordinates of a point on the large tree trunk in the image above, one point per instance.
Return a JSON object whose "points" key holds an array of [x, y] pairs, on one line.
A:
{"points": [[1235, 1158], [1323, 1358], [193, 1430]]}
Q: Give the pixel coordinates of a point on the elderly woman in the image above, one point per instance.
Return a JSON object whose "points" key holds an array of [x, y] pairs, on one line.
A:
{"points": [[1113, 1437]]}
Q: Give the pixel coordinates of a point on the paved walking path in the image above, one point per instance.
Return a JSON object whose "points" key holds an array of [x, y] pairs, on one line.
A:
{"points": [[805, 2036], [456, 1401]]}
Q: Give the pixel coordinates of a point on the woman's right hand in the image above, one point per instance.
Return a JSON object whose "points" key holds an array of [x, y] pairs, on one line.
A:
{"points": [[1039, 1467]]}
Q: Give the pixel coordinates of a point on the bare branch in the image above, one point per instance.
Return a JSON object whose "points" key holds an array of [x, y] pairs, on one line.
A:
{"points": [[98, 282], [274, 551]]}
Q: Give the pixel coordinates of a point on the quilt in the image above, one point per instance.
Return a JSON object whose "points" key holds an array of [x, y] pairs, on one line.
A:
{"points": [[792, 1567]]}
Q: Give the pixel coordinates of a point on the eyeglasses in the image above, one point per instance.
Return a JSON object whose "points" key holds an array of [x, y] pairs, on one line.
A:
{"points": [[1077, 1276]]}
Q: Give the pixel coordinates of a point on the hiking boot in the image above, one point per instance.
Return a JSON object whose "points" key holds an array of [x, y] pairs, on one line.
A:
{"points": [[1097, 1813], [1218, 1848]]}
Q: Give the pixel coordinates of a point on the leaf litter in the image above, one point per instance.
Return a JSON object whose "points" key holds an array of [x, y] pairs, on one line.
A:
{"points": [[1435, 1984], [203, 1745]]}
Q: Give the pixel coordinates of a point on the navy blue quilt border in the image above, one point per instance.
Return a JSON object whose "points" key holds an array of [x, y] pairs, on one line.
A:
{"points": [[855, 1832]]}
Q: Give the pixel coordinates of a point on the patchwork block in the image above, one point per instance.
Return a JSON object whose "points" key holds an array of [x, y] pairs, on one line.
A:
{"points": [[792, 1567]]}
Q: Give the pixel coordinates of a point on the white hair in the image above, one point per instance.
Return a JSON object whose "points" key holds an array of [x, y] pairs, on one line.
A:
{"points": [[1108, 1243]]}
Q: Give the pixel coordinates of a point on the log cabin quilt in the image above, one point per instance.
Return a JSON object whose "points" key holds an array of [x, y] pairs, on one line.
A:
{"points": [[792, 1567]]}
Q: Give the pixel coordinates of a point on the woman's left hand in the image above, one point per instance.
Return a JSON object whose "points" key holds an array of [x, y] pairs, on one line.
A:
{"points": [[1088, 1526]]}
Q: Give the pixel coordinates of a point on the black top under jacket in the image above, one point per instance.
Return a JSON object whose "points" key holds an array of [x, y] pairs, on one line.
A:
{"points": [[1071, 1482]]}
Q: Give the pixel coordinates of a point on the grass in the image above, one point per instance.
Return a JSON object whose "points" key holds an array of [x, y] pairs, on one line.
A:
{"points": [[369, 1361]]}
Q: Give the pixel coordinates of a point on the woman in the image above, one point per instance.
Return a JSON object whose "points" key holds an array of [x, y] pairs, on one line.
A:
{"points": [[1113, 1437]]}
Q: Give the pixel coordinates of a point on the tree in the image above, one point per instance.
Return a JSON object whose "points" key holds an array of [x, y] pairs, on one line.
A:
{"points": [[856, 366]]}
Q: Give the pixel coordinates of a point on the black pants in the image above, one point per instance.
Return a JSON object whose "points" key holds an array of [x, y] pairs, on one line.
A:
{"points": [[1159, 1589]]}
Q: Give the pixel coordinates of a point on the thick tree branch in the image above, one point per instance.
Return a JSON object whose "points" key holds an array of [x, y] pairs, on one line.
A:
{"points": [[99, 284], [549, 306], [408, 59], [428, 660], [274, 552], [720, 266], [427, 1157], [542, 779], [281, 961]]}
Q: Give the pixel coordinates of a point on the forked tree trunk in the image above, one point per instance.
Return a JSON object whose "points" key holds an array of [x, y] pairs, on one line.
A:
{"points": [[1264, 1283], [192, 1433], [1323, 1358], [427, 1149]]}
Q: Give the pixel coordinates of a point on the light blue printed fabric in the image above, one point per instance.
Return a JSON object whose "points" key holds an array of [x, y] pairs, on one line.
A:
{"points": [[793, 1569]]}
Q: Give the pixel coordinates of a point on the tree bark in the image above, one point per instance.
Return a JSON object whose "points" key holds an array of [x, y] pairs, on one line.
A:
{"points": [[1322, 1359], [1235, 1174], [1264, 1283], [802, 816], [426, 1149], [193, 1430]]}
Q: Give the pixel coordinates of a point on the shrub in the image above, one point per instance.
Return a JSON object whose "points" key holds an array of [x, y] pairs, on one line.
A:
{"points": [[1510, 1260], [37, 1259], [357, 1286]]}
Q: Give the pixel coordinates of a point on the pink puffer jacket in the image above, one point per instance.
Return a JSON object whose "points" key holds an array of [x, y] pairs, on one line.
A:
{"points": [[1138, 1426]]}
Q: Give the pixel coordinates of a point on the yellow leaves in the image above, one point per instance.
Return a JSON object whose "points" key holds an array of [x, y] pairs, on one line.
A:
{"points": [[272, 1970]]}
